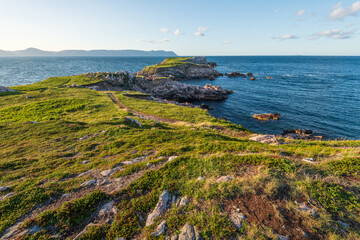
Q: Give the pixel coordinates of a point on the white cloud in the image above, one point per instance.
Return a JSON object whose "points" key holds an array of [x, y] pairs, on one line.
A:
{"points": [[201, 31], [287, 37], [144, 41], [226, 42], [177, 32], [164, 40], [339, 12], [164, 30], [300, 13], [332, 34]]}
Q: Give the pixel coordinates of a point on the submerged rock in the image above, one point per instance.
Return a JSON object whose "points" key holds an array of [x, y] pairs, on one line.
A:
{"points": [[267, 116]]}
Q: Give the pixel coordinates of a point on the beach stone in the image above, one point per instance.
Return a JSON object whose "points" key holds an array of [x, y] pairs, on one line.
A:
{"points": [[223, 179], [172, 158], [237, 218], [88, 183], [163, 204], [269, 139], [160, 230], [189, 232]]}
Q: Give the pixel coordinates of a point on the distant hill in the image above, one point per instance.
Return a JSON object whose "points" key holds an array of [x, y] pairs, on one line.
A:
{"points": [[34, 52]]}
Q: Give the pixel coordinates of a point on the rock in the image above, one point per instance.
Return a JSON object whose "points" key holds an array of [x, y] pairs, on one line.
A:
{"points": [[211, 78], [135, 160], [8, 195], [172, 158], [5, 89], [160, 230], [268, 77], [343, 224], [32, 230], [305, 208], [252, 78], [184, 201], [121, 238], [160, 208], [237, 218], [85, 173], [249, 75], [148, 165], [107, 173], [267, 116], [204, 106], [28, 96], [235, 74], [133, 121], [108, 209], [297, 131], [280, 237], [200, 178], [2, 189], [309, 160], [269, 139], [212, 64], [65, 195], [88, 183], [85, 162], [223, 179], [189, 232]]}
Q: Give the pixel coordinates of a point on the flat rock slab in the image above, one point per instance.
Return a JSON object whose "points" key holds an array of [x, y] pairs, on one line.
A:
{"points": [[163, 204], [160, 230], [269, 139], [224, 179]]}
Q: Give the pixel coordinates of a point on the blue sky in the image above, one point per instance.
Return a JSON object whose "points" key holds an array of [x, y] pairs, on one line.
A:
{"points": [[196, 27]]}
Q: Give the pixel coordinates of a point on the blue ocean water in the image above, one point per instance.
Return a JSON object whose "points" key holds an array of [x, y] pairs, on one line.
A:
{"points": [[317, 93]]}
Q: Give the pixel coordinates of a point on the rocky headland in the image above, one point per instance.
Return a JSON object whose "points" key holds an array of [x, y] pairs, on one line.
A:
{"points": [[160, 80]]}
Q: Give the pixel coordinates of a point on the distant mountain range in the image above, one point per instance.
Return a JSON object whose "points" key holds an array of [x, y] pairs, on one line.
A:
{"points": [[34, 52]]}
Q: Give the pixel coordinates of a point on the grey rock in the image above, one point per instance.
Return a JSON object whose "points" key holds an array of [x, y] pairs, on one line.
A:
{"points": [[2, 189], [5, 89], [32, 230], [280, 237], [175, 237], [200, 178], [84, 173], [184, 201], [85, 162], [148, 165], [223, 179], [65, 195], [189, 232], [309, 160], [107, 173], [160, 230], [160, 208], [88, 183], [343, 224], [237, 218], [133, 121], [8, 195], [108, 209], [172, 158], [269, 139]]}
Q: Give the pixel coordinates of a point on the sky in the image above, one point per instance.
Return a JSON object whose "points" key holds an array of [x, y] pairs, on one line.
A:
{"points": [[187, 27]]}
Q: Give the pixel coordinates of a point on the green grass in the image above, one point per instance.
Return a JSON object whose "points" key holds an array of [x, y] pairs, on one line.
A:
{"points": [[43, 161], [167, 63]]}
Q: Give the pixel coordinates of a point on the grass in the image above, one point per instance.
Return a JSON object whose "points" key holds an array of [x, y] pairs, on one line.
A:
{"points": [[167, 63], [42, 161]]}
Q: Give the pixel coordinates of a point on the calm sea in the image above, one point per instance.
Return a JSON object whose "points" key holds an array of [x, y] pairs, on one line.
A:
{"points": [[317, 93]]}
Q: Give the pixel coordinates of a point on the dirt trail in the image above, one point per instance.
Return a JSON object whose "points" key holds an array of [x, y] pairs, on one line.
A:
{"points": [[156, 118]]}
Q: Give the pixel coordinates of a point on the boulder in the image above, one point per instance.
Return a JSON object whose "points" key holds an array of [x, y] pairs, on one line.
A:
{"points": [[235, 74], [184, 201], [267, 116], [172, 158], [211, 78], [108, 209], [189, 232], [212, 64], [161, 207]]}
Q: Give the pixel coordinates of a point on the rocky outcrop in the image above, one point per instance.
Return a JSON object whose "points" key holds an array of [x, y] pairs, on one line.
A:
{"points": [[189, 232], [297, 134], [235, 74], [163, 204], [178, 69], [269, 139], [267, 116], [5, 89]]}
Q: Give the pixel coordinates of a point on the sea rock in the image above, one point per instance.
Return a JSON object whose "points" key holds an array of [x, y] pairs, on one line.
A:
{"points": [[163, 204], [212, 64], [297, 131], [249, 75], [160, 230], [237, 218], [223, 179], [267, 116], [211, 78], [269, 139], [235, 74], [252, 78], [189, 232], [204, 106], [268, 77]]}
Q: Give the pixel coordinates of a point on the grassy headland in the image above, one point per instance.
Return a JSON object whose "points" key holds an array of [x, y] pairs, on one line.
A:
{"points": [[60, 138]]}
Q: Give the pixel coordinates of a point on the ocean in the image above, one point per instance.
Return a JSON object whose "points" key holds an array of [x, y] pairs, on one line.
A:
{"points": [[317, 93]]}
